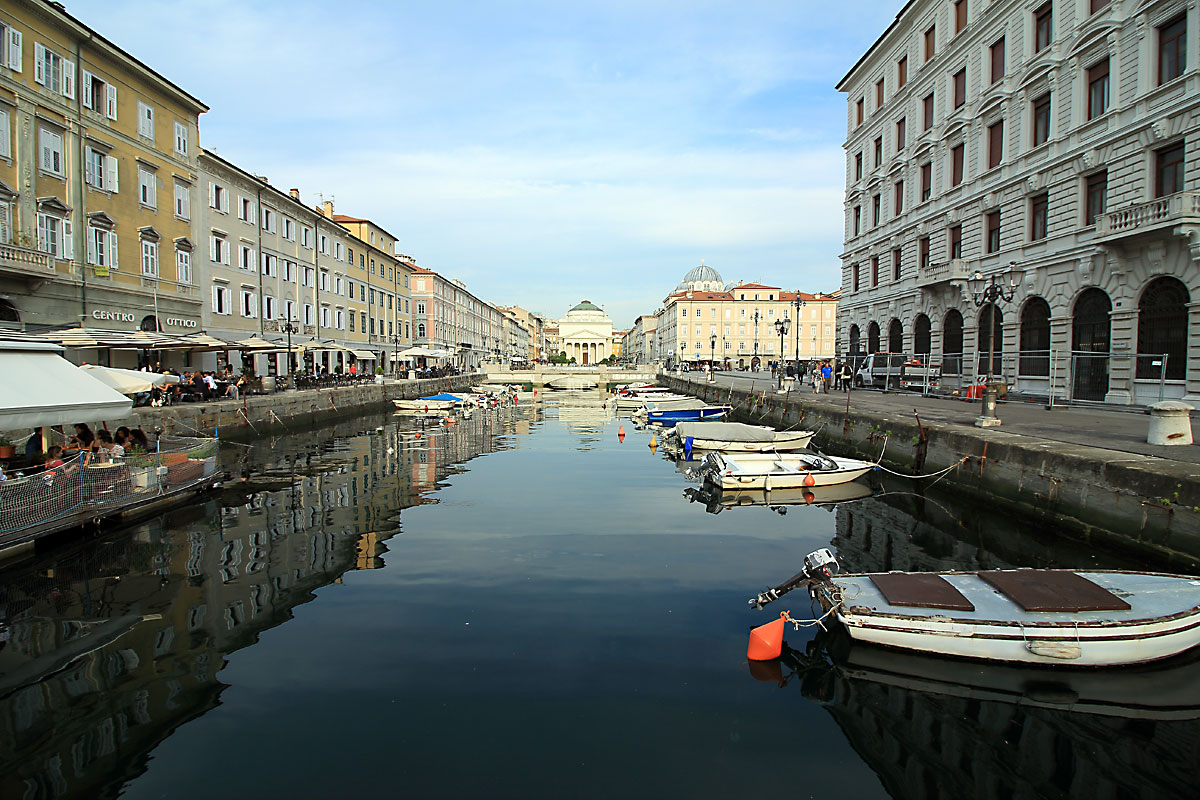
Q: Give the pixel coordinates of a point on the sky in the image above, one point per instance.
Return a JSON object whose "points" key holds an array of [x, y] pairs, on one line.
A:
{"points": [[541, 152]]}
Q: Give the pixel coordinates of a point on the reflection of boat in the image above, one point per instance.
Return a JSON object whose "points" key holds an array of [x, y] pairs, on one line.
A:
{"points": [[636, 399], [572, 382], [716, 500], [1031, 616], [736, 437], [770, 471], [691, 410], [434, 402], [929, 727]]}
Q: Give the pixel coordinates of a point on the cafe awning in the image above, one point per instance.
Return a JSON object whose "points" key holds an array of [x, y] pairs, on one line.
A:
{"points": [[40, 387], [364, 355]]}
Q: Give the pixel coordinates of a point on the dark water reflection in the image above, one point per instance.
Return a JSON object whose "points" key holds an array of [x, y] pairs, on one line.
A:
{"points": [[517, 605]]}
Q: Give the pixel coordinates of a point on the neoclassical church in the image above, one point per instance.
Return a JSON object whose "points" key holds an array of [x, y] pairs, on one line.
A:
{"points": [[587, 333]]}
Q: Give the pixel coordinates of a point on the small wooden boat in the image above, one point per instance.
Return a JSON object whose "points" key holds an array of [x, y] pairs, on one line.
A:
{"points": [[781, 471], [736, 437], [434, 402], [1092, 618]]}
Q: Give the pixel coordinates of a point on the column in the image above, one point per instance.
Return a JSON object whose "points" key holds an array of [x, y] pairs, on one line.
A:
{"points": [[1191, 384], [1122, 345]]}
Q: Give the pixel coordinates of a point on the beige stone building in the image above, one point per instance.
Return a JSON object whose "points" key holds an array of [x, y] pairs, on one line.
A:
{"points": [[587, 333]]}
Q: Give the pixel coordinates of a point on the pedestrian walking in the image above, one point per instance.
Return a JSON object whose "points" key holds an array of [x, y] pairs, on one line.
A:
{"points": [[847, 376], [826, 375]]}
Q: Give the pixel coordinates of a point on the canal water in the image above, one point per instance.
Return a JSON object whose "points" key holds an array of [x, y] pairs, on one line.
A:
{"points": [[522, 605]]}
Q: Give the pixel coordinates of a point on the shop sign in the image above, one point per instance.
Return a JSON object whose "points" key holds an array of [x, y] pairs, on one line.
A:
{"points": [[115, 316], [180, 322]]}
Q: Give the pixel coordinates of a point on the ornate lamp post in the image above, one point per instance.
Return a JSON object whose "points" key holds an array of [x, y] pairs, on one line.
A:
{"points": [[289, 327], [781, 326], [757, 317], [799, 304], [987, 292], [712, 358]]}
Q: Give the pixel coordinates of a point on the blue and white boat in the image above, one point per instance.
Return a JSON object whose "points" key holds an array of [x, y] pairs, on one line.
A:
{"points": [[434, 402], [667, 416]]}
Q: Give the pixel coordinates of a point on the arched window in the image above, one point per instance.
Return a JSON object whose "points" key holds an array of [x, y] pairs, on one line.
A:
{"points": [[922, 335], [1090, 337], [991, 330], [896, 337], [1035, 338], [952, 343], [873, 337], [8, 312], [420, 330], [1162, 329], [855, 341], [150, 323]]}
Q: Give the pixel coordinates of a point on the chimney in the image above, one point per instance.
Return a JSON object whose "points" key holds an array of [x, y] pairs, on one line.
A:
{"points": [[295, 193], [327, 208], [262, 178]]}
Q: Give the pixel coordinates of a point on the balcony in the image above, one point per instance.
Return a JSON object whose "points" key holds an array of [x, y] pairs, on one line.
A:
{"points": [[25, 263], [954, 270], [1156, 215]]}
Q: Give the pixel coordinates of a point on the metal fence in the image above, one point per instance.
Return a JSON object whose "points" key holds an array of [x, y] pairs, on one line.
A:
{"points": [[86, 486]]}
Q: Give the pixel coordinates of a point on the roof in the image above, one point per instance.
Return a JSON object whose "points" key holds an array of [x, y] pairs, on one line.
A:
{"points": [[586, 305], [700, 274], [714, 296], [754, 286], [842, 83]]}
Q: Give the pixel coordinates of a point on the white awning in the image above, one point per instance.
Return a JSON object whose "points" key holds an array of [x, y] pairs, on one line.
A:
{"points": [[128, 381], [40, 387], [364, 355]]}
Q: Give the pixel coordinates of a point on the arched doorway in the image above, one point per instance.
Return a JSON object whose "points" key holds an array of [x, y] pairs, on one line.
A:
{"points": [[1035, 338], [855, 342], [873, 337], [991, 340], [150, 323], [1090, 340], [1162, 330], [952, 343], [8, 314], [754, 363], [896, 337], [922, 336]]}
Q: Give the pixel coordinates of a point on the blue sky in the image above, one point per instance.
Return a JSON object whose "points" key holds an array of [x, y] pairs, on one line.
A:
{"points": [[542, 152]]}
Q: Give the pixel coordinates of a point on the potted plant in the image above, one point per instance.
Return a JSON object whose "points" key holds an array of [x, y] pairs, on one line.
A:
{"points": [[7, 450], [142, 467]]}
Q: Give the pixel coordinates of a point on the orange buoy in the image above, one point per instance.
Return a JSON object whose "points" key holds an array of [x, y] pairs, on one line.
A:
{"points": [[809, 497], [809, 480], [767, 671], [418, 434], [766, 641], [653, 442], [620, 433]]}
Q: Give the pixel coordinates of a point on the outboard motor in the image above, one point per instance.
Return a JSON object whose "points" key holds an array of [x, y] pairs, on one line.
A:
{"points": [[819, 565]]}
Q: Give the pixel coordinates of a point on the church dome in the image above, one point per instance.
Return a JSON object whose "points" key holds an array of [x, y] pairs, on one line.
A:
{"points": [[586, 305], [702, 279]]}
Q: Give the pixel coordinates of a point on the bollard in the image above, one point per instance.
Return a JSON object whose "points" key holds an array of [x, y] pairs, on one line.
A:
{"points": [[1170, 423]]}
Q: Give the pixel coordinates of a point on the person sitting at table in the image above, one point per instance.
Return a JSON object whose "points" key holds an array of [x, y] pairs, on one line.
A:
{"points": [[83, 437], [54, 457], [114, 450], [137, 438], [211, 384]]}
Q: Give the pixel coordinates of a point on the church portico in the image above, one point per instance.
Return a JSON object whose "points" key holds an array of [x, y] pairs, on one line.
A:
{"points": [[586, 333]]}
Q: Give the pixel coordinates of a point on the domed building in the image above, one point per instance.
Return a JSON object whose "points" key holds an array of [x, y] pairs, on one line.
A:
{"points": [[586, 333], [701, 279]]}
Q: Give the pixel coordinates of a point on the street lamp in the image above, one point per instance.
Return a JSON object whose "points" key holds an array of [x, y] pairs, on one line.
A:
{"points": [[781, 325], [712, 358], [987, 294], [799, 304], [757, 317], [395, 337], [289, 327]]}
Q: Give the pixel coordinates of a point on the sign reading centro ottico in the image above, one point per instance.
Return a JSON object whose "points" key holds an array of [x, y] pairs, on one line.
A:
{"points": [[125, 316]]}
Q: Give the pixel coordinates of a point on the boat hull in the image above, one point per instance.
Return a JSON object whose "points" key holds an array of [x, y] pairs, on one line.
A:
{"points": [[791, 480], [784, 444]]}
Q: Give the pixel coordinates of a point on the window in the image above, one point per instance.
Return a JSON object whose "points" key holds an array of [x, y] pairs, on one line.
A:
{"points": [[997, 55], [50, 144], [268, 307], [923, 253], [5, 131], [857, 224], [926, 180], [901, 72], [1097, 77], [289, 229], [1035, 338], [149, 258], [956, 164], [960, 15], [97, 94], [308, 314], [879, 93], [10, 47], [246, 257], [875, 270], [927, 110], [876, 212], [54, 236], [1039, 216], [324, 277], [898, 199], [930, 42], [183, 200], [101, 247], [955, 241], [351, 321], [960, 88], [1162, 330], [995, 144], [854, 269], [1097, 196], [896, 262], [324, 245], [218, 249], [1169, 170], [901, 125], [249, 304], [1172, 49], [268, 220], [183, 266], [878, 151], [1043, 22], [858, 112], [858, 166], [100, 170], [993, 232], [289, 310], [147, 186], [245, 209], [306, 237], [270, 264], [1097, 5], [289, 271], [181, 139], [1041, 120], [53, 71], [220, 300], [337, 251], [145, 120]]}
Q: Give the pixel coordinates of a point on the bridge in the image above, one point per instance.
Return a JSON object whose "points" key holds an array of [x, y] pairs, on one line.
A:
{"points": [[542, 374]]}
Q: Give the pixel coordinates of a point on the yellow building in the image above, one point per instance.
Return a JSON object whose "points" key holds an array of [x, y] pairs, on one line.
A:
{"points": [[98, 181]]}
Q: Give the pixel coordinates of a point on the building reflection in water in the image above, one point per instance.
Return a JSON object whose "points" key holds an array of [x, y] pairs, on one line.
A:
{"points": [[107, 646]]}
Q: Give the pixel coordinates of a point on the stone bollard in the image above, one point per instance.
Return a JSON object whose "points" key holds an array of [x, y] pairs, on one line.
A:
{"points": [[1170, 423]]}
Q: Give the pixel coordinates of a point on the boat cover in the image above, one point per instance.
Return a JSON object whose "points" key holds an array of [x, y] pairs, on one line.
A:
{"points": [[725, 432], [1053, 590], [681, 405], [443, 398], [920, 590]]}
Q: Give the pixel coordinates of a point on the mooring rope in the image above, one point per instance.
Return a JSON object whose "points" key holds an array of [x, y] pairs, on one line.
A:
{"points": [[941, 473]]}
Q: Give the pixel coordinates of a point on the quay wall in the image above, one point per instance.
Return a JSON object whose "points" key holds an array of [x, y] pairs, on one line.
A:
{"points": [[1139, 504]]}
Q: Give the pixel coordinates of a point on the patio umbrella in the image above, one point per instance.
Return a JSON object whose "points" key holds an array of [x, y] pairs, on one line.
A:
{"points": [[255, 343], [128, 381]]}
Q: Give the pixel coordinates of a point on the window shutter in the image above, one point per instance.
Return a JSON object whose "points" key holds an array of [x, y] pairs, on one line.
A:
{"points": [[39, 63], [5, 230], [88, 173], [68, 241], [91, 244], [14, 50], [216, 299], [111, 175], [225, 202], [212, 249], [47, 159], [87, 95], [68, 79], [112, 250], [111, 101], [225, 254]]}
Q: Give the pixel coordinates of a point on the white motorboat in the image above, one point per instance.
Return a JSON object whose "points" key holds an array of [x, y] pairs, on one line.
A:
{"points": [[732, 437], [769, 471], [433, 402], [1084, 618], [636, 401], [572, 382]]}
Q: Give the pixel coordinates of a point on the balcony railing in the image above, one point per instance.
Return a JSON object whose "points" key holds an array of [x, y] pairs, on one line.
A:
{"points": [[1161, 212], [23, 261], [953, 270]]}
